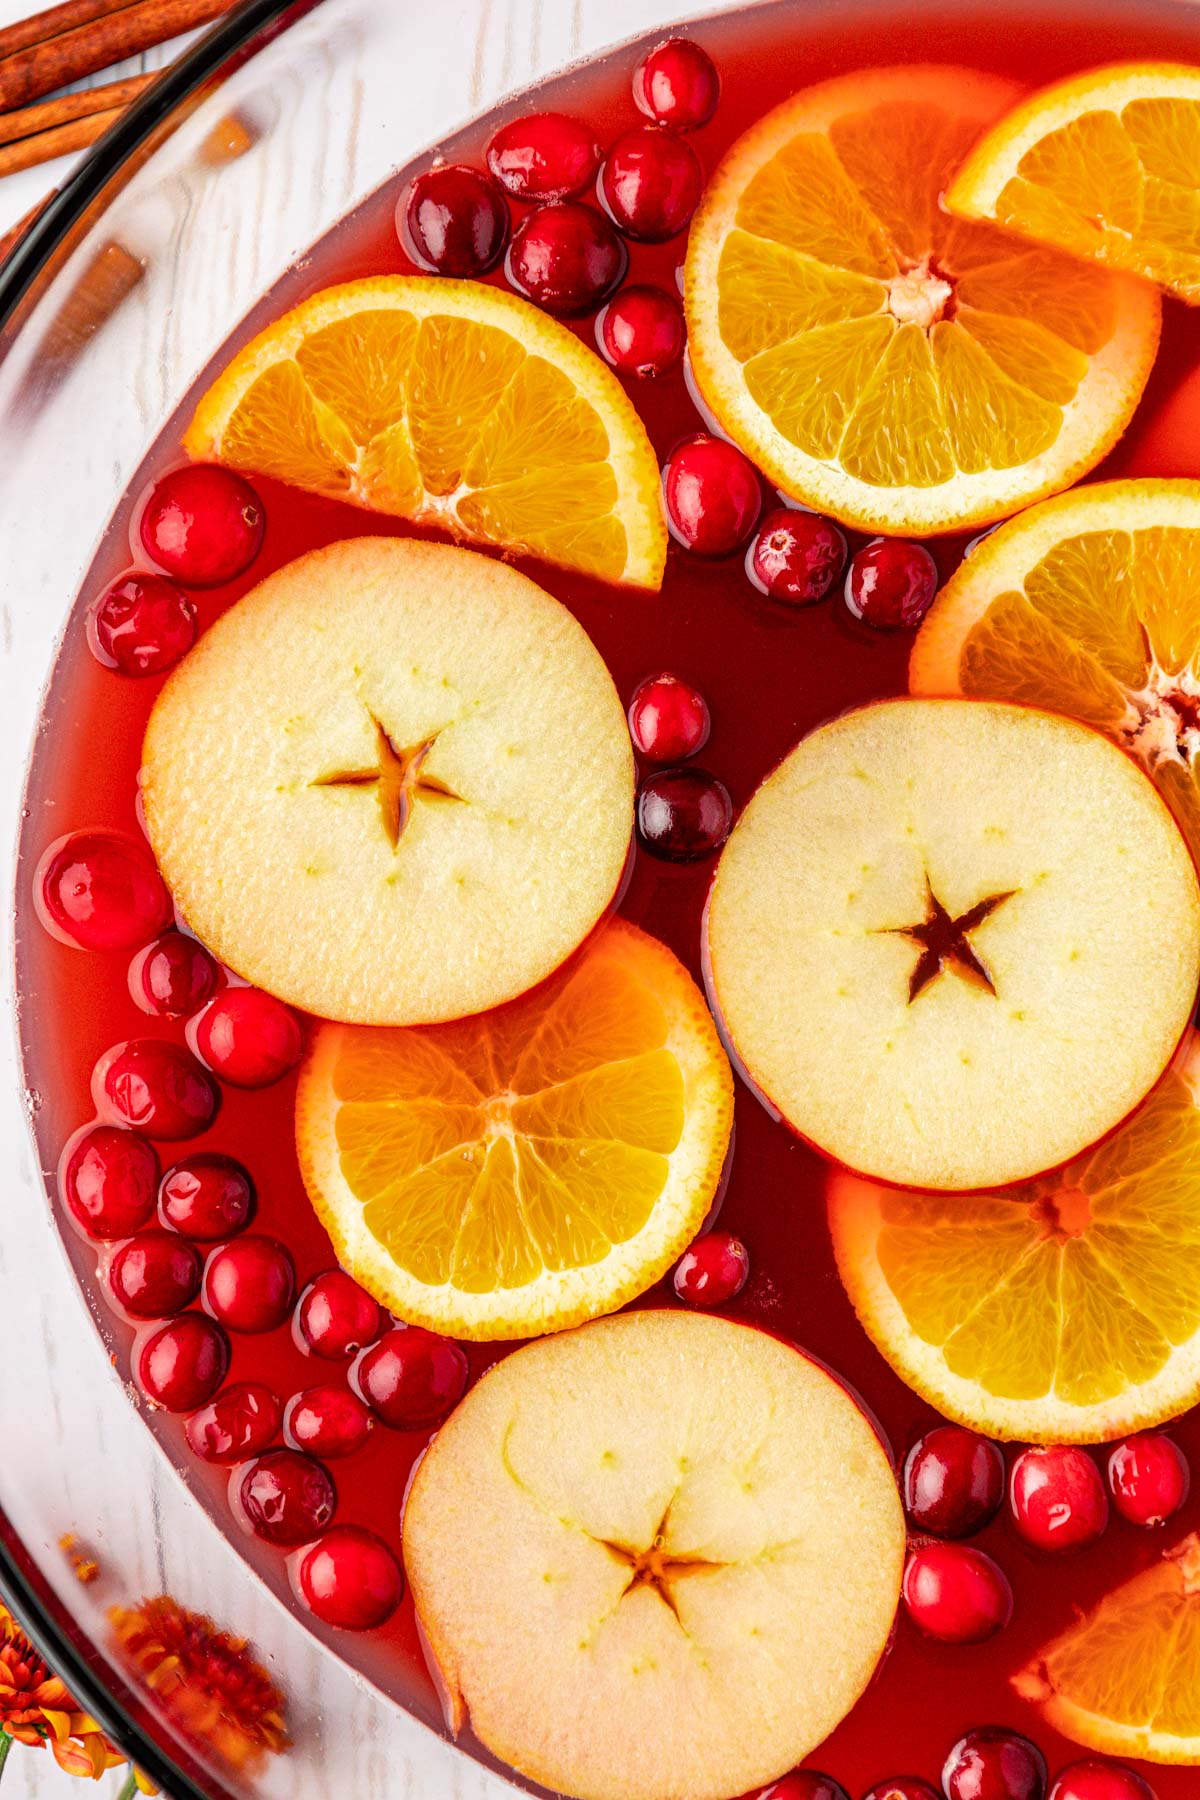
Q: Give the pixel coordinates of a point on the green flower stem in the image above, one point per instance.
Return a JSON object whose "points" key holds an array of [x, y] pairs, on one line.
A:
{"points": [[6, 1744], [129, 1787]]}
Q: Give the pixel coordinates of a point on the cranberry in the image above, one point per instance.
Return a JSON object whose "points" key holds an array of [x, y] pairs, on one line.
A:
{"points": [[141, 626], [567, 258], [328, 1421], [713, 496], [651, 182], [545, 156], [411, 1377], [641, 331], [1094, 1780], [668, 718], [901, 1787], [454, 221], [805, 1784], [1057, 1498], [206, 1197], [203, 525], [172, 976], [953, 1481], [683, 814], [796, 556], [181, 1365], [994, 1764], [249, 1284], [155, 1275], [100, 891], [240, 1422], [677, 84], [351, 1579], [156, 1087], [249, 1038], [287, 1498], [891, 584], [713, 1270], [1149, 1478], [956, 1594], [335, 1316], [107, 1178]]}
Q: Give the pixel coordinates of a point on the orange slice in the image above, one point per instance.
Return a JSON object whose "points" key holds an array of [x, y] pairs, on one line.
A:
{"points": [[1105, 165], [529, 1168], [451, 404], [880, 360]]}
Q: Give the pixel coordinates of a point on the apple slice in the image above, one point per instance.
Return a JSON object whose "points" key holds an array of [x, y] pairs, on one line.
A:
{"points": [[954, 942], [392, 785], [656, 1558]]}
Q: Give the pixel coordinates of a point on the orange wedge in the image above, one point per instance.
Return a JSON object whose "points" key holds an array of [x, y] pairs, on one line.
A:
{"points": [[1105, 165], [451, 404], [879, 360], [528, 1168]]}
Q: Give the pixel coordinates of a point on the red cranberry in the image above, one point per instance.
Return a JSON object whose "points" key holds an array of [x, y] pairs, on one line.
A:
{"points": [[249, 1038], [249, 1284], [327, 1421], [155, 1275], [891, 584], [454, 221], [100, 891], [641, 331], [953, 1481], [651, 182], [994, 1764], [181, 1365], [172, 976], [956, 1594], [108, 1178], [1057, 1498], [287, 1498], [567, 258], [206, 1197], [240, 1422], [1094, 1780], [411, 1377], [901, 1787], [805, 1784], [156, 1087], [335, 1316], [668, 719], [141, 626], [713, 496], [545, 156], [677, 84], [1149, 1478], [351, 1579], [796, 556], [203, 525], [683, 814], [713, 1270]]}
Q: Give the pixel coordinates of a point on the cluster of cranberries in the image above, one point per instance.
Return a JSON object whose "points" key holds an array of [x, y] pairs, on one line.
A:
{"points": [[683, 814], [992, 1763]]}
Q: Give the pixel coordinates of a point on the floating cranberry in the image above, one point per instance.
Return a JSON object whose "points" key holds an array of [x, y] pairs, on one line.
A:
{"points": [[668, 718], [1149, 1478], [712, 493], [454, 221], [994, 1764], [712, 1271], [956, 1594], [411, 1377], [155, 1275], [1057, 1498], [249, 1284], [901, 1787], [100, 891], [203, 524], [890, 584], [249, 1038], [566, 258], [141, 626], [1095, 1780], [544, 156], [796, 556], [240, 1422], [805, 1784], [677, 84], [172, 976], [335, 1317], [651, 182], [351, 1579], [683, 814], [287, 1498], [953, 1481], [108, 1179], [206, 1197], [181, 1365], [156, 1087], [641, 331], [326, 1421]]}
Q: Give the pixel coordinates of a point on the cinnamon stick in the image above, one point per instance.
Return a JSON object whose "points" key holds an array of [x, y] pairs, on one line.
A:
{"points": [[60, 111], [43, 146], [15, 233], [53, 21], [39, 68]]}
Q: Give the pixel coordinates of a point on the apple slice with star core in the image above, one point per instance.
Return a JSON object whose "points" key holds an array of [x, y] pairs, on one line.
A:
{"points": [[954, 942]]}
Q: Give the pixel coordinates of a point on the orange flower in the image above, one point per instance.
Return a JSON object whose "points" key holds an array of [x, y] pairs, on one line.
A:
{"points": [[36, 1709]]}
